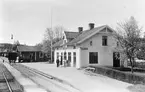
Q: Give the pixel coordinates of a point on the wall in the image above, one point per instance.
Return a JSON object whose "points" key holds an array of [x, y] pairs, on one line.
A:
{"points": [[105, 53], [69, 49]]}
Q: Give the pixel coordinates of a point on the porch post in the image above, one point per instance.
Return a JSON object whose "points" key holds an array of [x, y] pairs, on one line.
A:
{"points": [[35, 56]]}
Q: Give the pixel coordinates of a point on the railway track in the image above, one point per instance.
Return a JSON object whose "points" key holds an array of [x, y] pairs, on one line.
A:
{"points": [[50, 83], [7, 83]]}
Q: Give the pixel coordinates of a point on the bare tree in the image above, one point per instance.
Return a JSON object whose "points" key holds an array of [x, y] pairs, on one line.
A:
{"points": [[16, 43], [55, 34], [59, 31], [46, 46], [128, 37], [49, 34], [51, 37]]}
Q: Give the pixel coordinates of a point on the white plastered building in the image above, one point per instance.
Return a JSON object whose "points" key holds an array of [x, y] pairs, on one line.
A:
{"points": [[94, 46]]}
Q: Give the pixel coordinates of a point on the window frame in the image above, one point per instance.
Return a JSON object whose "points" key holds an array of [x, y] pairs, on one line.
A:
{"points": [[69, 56], [104, 40]]}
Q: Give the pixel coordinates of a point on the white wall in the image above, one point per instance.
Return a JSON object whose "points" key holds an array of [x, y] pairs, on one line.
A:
{"points": [[69, 49], [105, 53]]}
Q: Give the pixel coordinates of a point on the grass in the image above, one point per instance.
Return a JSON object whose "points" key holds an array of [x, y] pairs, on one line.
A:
{"points": [[122, 74], [137, 71]]}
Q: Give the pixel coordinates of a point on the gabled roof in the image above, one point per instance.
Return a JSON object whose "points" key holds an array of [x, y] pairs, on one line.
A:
{"points": [[85, 34], [80, 37], [59, 43], [28, 48], [71, 34]]}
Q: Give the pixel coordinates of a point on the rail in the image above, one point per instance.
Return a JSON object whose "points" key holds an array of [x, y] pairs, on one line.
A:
{"points": [[9, 87]]}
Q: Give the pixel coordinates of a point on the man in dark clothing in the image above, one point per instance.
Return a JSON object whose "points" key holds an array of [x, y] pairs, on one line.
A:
{"points": [[57, 62], [61, 61]]}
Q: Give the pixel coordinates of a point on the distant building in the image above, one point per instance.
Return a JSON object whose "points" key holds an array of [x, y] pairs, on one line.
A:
{"points": [[30, 53], [5, 48], [94, 46]]}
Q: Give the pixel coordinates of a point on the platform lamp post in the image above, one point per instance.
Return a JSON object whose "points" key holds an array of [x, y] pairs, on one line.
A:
{"points": [[12, 42]]}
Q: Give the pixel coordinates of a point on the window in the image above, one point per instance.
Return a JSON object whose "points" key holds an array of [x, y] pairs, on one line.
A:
{"points": [[61, 56], [57, 55], [93, 57], [74, 47], [91, 42], [104, 40], [64, 55], [69, 56]]}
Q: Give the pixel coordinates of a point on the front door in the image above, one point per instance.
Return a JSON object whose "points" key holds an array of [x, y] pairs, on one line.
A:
{"points": [[74, 59], [116, 60], [93, 57]]}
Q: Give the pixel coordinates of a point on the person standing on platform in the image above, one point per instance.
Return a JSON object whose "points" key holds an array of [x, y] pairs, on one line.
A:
{"points": [[57, 62]]}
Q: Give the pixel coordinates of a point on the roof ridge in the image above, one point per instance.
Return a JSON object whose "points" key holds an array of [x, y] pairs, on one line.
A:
{"points": [[71, 31], [85, 32]]}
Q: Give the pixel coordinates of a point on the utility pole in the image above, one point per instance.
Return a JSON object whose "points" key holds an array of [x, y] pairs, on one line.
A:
{"points": [[51, 37]]}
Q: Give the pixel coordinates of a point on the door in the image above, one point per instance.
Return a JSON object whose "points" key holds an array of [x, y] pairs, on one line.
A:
{"points": [[93, 57], [74, 58], [116, 60]]}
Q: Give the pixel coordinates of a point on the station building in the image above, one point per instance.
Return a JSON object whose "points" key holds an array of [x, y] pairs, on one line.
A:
{"points": [[94, 46]]}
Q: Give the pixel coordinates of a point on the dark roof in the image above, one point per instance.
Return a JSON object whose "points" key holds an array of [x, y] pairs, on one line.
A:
{"points": [[28, 48], [71, 34], [85, 34], [57, 44], [80, 36], [5, 45]]}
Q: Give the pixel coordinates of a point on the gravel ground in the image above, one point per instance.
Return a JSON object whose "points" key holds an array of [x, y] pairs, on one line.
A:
{"points": [[137, 88]]}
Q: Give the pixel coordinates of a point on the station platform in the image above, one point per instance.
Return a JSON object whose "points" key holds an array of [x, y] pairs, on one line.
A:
{"points": [[23, 83]]}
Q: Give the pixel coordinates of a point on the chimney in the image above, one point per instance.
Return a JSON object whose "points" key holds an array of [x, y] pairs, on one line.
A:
{"points": [[91, 25], [80, 29]]}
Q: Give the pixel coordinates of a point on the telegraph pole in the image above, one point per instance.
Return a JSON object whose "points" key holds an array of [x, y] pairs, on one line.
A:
{"points": [[51, 37]]}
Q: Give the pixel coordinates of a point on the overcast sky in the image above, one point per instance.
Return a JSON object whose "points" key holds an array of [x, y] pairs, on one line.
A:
{"points": [[27, 20]]}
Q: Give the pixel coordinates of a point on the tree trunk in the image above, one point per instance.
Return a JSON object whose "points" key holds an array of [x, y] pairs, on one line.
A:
{"points": [[131, 69], [131, 63]]}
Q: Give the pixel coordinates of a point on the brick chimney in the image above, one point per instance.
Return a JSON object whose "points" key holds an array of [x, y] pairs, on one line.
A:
{"points": [[91, 25], [80, 29]]}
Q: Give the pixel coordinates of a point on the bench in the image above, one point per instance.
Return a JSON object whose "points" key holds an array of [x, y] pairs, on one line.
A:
{"points": [[90, 69]]}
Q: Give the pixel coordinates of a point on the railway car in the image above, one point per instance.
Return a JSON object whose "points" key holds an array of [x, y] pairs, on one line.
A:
{"points": [[12, 57]]}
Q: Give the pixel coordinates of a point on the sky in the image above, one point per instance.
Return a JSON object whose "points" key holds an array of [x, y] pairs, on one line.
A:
{"points": [[27, 20]]}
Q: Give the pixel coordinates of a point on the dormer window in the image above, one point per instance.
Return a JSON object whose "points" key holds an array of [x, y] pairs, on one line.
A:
{"points": [[104, 40], [74, 47]]}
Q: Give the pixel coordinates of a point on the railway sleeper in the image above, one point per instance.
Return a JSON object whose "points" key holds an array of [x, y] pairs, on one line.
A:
{"points": [[15, 86]]}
